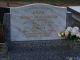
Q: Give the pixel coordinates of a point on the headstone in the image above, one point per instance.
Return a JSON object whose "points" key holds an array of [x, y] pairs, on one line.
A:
{"points": [[37, 22]]}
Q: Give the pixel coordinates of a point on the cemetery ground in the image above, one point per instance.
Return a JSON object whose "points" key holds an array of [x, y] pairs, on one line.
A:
{"points": [[38, 50]]}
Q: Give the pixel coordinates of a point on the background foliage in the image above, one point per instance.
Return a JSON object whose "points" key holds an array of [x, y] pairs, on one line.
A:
{"points": [[55, 2]]}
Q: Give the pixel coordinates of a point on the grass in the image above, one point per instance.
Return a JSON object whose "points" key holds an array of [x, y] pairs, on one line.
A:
{"points": [[54, 2]]}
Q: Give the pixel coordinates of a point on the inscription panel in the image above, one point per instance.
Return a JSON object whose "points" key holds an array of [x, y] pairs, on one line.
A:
{"points": [[36, 22]]}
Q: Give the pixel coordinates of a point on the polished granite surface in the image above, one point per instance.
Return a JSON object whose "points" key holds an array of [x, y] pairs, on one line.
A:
{"points": [[44, 50], [75, 8], [41, 50]]}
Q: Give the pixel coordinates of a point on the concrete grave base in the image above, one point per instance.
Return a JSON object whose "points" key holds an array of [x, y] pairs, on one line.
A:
{"points": [[44, 50]]}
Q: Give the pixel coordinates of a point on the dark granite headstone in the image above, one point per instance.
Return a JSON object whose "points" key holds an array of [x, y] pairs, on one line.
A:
{"points": [[73, 17], [2, 25]]}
